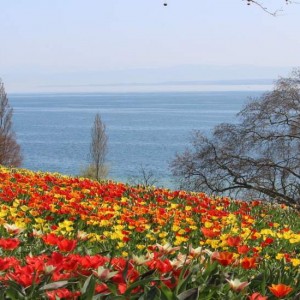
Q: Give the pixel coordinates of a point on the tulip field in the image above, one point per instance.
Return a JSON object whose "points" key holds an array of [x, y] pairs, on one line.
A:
{"points": [[73, 238]]}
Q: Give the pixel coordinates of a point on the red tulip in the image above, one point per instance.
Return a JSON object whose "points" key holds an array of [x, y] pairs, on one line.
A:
{"points": [[9, 244], [66, 245], [257, 296]]}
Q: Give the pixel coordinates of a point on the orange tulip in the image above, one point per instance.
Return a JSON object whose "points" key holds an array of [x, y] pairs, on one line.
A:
{"points": [[210, 233], [280, 290], [248, 263], [243, 249], [233, 241], [224, 258]]}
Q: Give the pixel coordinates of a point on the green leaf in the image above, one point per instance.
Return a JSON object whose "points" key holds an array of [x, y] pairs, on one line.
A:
{"points": [[13, 286], [112, 287], [13, 294], [148, 273], [54, 285], [166, 293], [183, 280], [86, 283], [98, 297], [151, 295], [138, 283], [125, 271], [191, 294], [211, 269], [88, 288]]}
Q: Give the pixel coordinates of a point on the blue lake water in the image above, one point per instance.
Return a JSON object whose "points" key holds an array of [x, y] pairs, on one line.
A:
{"points": [[54, 130]]}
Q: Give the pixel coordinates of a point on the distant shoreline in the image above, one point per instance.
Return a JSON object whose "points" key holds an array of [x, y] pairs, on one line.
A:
{"points": [[172, 88]]}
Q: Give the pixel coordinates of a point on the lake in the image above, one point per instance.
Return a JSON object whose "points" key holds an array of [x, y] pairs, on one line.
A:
{"points": [[144, 129]]}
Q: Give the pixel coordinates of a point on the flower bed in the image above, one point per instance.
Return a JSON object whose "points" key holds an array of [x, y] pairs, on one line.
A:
{"points": [[73, 238]]}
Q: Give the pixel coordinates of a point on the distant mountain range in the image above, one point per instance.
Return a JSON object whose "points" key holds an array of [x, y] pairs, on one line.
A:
{"points": [[42, 80], [183, 83]]}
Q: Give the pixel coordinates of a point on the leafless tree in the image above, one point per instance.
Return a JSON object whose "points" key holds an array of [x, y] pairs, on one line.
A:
{"points": [[98, 147], [145, 177], [10, 151], [258, 157], [262, 5]]}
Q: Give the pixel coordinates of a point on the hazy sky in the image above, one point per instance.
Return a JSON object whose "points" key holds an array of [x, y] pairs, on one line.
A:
{"points": [[50, 43]]}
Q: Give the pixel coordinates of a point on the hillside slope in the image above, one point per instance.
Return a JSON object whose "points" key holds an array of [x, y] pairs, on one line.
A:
{"points": [[114, 241]]}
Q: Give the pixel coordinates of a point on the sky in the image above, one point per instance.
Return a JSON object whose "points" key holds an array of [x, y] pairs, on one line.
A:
{"points": [[118, 45]]}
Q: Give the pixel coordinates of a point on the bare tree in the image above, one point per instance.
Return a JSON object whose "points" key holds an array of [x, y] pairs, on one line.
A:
{"points": [[98, 147], [145, 177], [265, 8], [258, 157], [10, 151], [261, 4]]}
